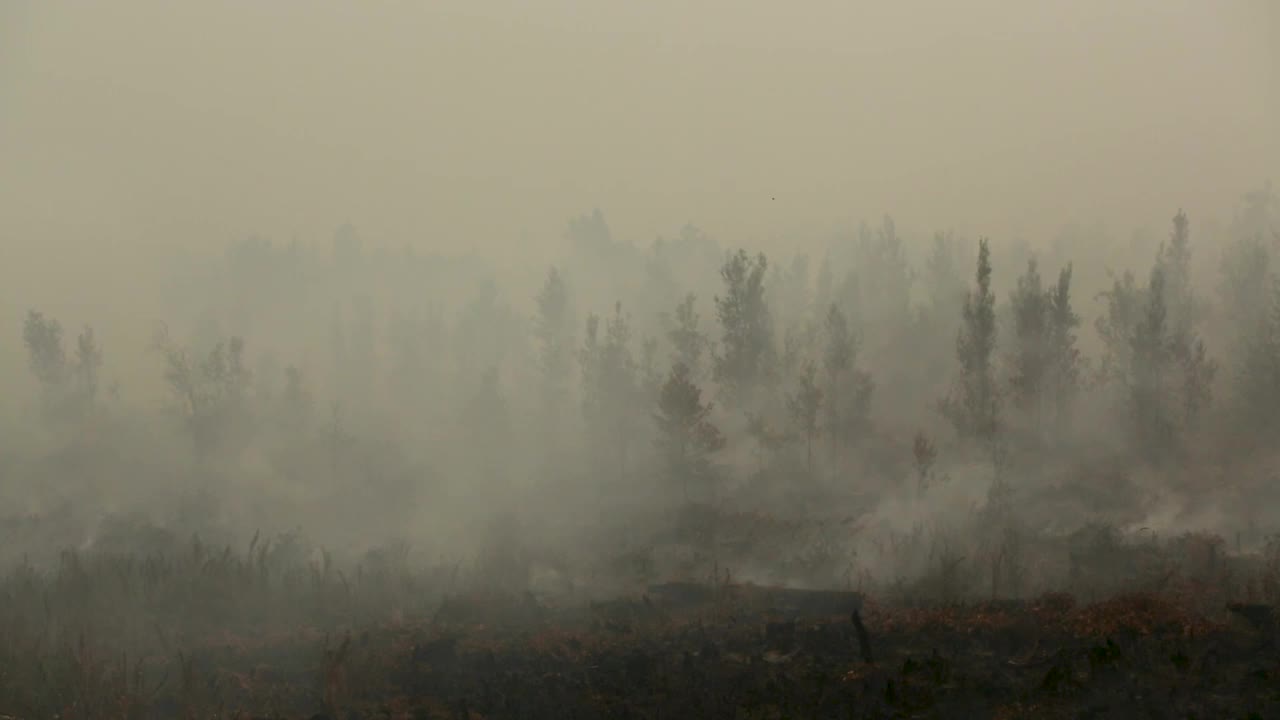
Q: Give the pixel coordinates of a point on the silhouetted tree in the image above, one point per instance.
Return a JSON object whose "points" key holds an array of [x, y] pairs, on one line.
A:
{"points": [[211, 392], [610, 389], [1125, 303], [974, 406], [686, 437], [1258, 380], [746, 347], [885, 276], [1175, 257], [487, 421], [822, 292], [296, 403], [45, 354], [848, 389], [67, 390], [553, 330], [688, 341], [1149, 383], [1063, 376], [805, 407], [1188, 349], [1031, 335]]}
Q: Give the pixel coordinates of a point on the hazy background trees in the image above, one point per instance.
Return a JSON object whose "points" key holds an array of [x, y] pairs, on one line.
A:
{"points": [[377, 393]]}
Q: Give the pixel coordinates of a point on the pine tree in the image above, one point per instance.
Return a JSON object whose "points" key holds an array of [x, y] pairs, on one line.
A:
{"points": [[848, 389], [686, 437], [1125, 303], [296, 403], [1188, 349], [1258, 379], [823, 289], [88, 367], [1064, 357], [1031, 329], [610, 388], [1152, 358], [687, 339], [1176, 259], [746, 354], [553, 330], [805, 407], [974, 406], [486, 415], [45, 354]]}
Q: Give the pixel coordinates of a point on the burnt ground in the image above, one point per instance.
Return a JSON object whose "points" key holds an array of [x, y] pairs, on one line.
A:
{"points": [[1132, 656]]}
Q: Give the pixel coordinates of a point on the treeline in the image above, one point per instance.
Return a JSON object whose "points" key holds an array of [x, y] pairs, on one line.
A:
{"points": [[704, 367]]}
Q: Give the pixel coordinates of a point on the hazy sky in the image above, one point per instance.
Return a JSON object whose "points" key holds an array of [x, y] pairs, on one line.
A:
{"points": [[450, 122]]}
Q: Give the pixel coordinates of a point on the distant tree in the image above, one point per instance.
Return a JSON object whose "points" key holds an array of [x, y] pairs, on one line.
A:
{"points": [[687, 339], [886, 276], [347, 246], [67, 389], [88, 366], [45, 354], [610, 388], [1064, 367], [1258, 374], [485, 332], [805, 407], [770, 439], [822, 293], [590, 234], [486, 415], [363, 348], [553, 330], [974, 406], [1258, 215], [798, 344], [847, 389], [788, 291], [1125, 303], [1175, 257], [686, 437], [1245, 292], [295, 403], [923, 454], [414, 342], [1155, 427], [211, 392], [1031, 335], [650, 377], [944, 277], [1197, 371], [746, 353]]}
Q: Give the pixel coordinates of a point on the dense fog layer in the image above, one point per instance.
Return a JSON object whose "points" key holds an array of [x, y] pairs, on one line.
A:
{"points": [[609, 284]]}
